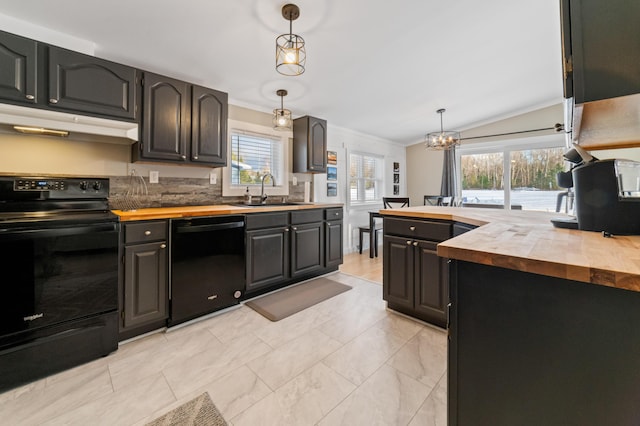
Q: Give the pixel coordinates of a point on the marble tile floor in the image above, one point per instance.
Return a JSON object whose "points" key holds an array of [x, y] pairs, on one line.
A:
{"points": [[345, 361]]}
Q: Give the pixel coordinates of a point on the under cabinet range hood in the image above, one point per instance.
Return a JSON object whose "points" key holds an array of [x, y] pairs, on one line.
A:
{"points": [[73, 126], [605, 124]]}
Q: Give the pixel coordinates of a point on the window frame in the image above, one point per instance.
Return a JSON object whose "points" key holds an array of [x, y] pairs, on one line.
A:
{"points": [[379, 182], [506, 147], [284, 138]]}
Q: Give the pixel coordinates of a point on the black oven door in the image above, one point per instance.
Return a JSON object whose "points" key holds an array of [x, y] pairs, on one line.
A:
{"points": [[55, 274]]}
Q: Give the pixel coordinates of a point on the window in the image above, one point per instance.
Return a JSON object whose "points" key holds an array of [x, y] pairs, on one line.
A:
{"points": [[253, 151], [365, 178], [252, 156], [519, 174]]}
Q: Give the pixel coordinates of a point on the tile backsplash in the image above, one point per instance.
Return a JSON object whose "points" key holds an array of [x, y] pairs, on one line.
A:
{"points": [[170, 192]]}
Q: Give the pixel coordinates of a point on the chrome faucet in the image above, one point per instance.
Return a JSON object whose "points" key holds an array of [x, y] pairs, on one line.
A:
{"points": [[263, 196]]}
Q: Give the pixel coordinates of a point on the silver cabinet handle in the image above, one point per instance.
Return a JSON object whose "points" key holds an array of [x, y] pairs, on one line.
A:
{"points": [[337, 214], [184, 157], [328, 224], [415, 243], [408, 243], [294, 228], [412, 228], [286, 229], [195, 157], [53, 101], [163, 246], [30, 97], [212, 297], [147, 233]]}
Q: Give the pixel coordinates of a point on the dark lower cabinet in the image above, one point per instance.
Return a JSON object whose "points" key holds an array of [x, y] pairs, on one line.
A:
{"points": [[267, 257], [267, 250], [415, 278], [307, 242], [18, 69], [530, 350], [144, 296], [287, 247], [333, 243]]}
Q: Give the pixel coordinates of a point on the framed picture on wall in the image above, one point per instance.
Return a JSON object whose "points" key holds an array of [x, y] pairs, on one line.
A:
{"points": [[396, 189], [332, 190], [396, 178], [396, 167], [332, 157], [332, 173]]}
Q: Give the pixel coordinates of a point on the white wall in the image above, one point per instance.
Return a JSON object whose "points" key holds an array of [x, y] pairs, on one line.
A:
{"points": [[343, 142]]}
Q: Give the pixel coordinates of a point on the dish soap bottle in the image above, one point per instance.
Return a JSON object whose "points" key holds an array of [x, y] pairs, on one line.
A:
{"points": [[247, 196]]}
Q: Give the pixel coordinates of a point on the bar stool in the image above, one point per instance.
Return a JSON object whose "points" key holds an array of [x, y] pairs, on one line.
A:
{"points": [[365, 229]]}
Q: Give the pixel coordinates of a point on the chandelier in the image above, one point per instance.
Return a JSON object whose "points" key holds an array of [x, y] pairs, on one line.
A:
{"points": [[443, 139], [291, 55], [282, 117]]}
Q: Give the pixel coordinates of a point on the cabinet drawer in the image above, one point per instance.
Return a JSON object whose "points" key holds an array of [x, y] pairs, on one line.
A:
{"points": [[428, 230], [140, 232], [333, 214], [306, 216], [267, 220]]}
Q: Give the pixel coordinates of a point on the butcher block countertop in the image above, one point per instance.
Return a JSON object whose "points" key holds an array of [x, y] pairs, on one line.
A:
{"points": [[212, 210], [527, 241]]}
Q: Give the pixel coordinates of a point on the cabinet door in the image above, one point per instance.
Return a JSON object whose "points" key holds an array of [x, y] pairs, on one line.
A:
{"points": [[145, 284], [166, 122], [307, 248], [604, 47], [398, 272], [88, 84], [18, 64], [208, 126], [431, 283], [267, 257], [333, 243], [317, 145]]}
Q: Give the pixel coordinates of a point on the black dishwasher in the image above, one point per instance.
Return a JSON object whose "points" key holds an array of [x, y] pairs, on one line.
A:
{"points": [[207, 265]]}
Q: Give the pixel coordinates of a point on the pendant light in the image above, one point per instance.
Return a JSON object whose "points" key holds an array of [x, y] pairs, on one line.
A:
{"points": [[282, 117], [442, 139], [290, 51]]}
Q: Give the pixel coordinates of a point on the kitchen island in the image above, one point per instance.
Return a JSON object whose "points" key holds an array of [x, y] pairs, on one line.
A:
{"points": [[543, 322]]}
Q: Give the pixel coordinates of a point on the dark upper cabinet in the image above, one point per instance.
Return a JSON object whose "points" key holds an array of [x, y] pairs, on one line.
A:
{"points": [[91, 85], [600, 48], [44, 76], [309, 145], [182, 123], [165, 120], [18, 69], [209, 112]]}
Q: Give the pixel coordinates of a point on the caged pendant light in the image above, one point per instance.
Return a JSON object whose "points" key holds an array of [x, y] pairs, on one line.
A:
{"points": [[443, 139], [282, 117], [291, 55]]}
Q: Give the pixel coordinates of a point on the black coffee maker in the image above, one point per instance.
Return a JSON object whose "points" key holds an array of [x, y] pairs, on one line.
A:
{"points": [[607, 196]]}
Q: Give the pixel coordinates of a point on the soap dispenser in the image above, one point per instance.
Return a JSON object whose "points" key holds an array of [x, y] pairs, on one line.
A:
{"points": [[247, 196]]}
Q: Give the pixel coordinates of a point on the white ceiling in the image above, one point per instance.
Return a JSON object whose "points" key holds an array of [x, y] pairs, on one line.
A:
{"points": [[379, 67]]}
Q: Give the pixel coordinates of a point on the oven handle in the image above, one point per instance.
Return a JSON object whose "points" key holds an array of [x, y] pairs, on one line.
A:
{"points": [[29, 233], [184, 229]]}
